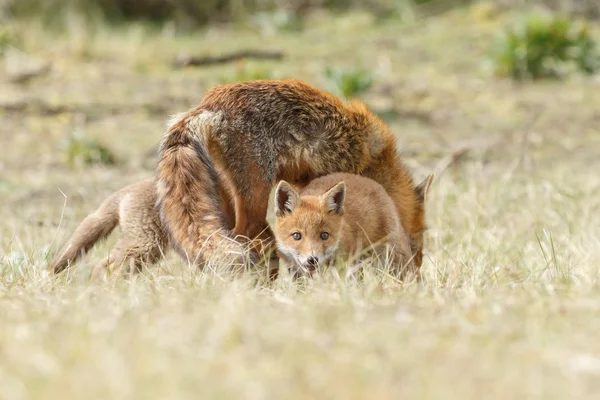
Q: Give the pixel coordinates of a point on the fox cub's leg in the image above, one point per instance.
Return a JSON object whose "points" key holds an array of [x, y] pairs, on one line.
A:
{"points": [[402, 265], [128, 256], [110, 263], [143, 241], [99, 270]]}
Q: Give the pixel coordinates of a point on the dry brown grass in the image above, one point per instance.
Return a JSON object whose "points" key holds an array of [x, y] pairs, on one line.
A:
{"points": [[510, 303]]}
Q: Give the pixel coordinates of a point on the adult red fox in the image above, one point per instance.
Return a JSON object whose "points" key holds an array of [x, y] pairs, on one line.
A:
{"points": [[219, 161]]}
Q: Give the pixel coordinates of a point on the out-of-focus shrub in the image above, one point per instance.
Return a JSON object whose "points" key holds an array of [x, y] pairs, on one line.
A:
{"points": [[81, 150], [547, 46], [348, 82], [8, 38], [246, 72]]}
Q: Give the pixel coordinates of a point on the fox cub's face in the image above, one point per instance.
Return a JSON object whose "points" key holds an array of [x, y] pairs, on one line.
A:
{"points": [[308, 228]]}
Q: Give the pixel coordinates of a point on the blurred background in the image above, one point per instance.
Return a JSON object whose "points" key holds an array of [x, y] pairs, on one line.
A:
{"points": [[474, 90], [499, 98]]}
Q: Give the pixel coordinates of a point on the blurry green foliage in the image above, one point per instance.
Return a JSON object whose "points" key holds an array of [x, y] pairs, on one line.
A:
{"points": [[7, 38], [81, 150], [348, 82], [547, 46], [246, 72]]}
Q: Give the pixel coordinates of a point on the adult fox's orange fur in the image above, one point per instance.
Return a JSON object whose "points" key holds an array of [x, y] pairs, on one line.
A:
{"points": [[219, 161], [335, 217]]}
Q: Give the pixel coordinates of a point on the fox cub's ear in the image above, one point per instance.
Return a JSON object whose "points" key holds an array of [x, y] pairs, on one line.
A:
{"points": [[286, 199], [423, 188], [334, 198]]}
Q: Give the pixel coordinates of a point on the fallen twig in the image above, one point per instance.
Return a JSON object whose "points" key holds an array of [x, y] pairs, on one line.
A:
{"points": [[185, 60], [26, 74]]}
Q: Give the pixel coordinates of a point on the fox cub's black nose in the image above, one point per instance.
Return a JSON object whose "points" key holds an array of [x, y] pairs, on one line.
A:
{"points": [[312, 261]]}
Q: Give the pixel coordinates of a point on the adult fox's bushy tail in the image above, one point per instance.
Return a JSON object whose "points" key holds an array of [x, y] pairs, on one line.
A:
{"points": [[93, 228], [188, 192]]}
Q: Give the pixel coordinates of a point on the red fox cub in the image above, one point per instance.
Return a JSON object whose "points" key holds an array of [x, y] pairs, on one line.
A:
{"points": [[219, 161], [338, 214], [143, 239]]}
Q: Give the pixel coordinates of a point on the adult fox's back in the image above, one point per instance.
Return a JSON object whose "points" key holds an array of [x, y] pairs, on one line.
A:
{"points": [[219, 161]]}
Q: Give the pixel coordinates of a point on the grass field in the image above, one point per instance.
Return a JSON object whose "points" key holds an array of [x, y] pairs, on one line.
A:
{"points": [[510, 302]]}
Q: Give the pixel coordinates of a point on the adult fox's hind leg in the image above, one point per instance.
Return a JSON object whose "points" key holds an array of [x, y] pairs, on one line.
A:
{"points": [[251, 192]]}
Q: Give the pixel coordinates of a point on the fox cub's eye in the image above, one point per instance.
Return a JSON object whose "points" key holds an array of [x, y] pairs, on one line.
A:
{"points": [[324, 235], [296, 236]]}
